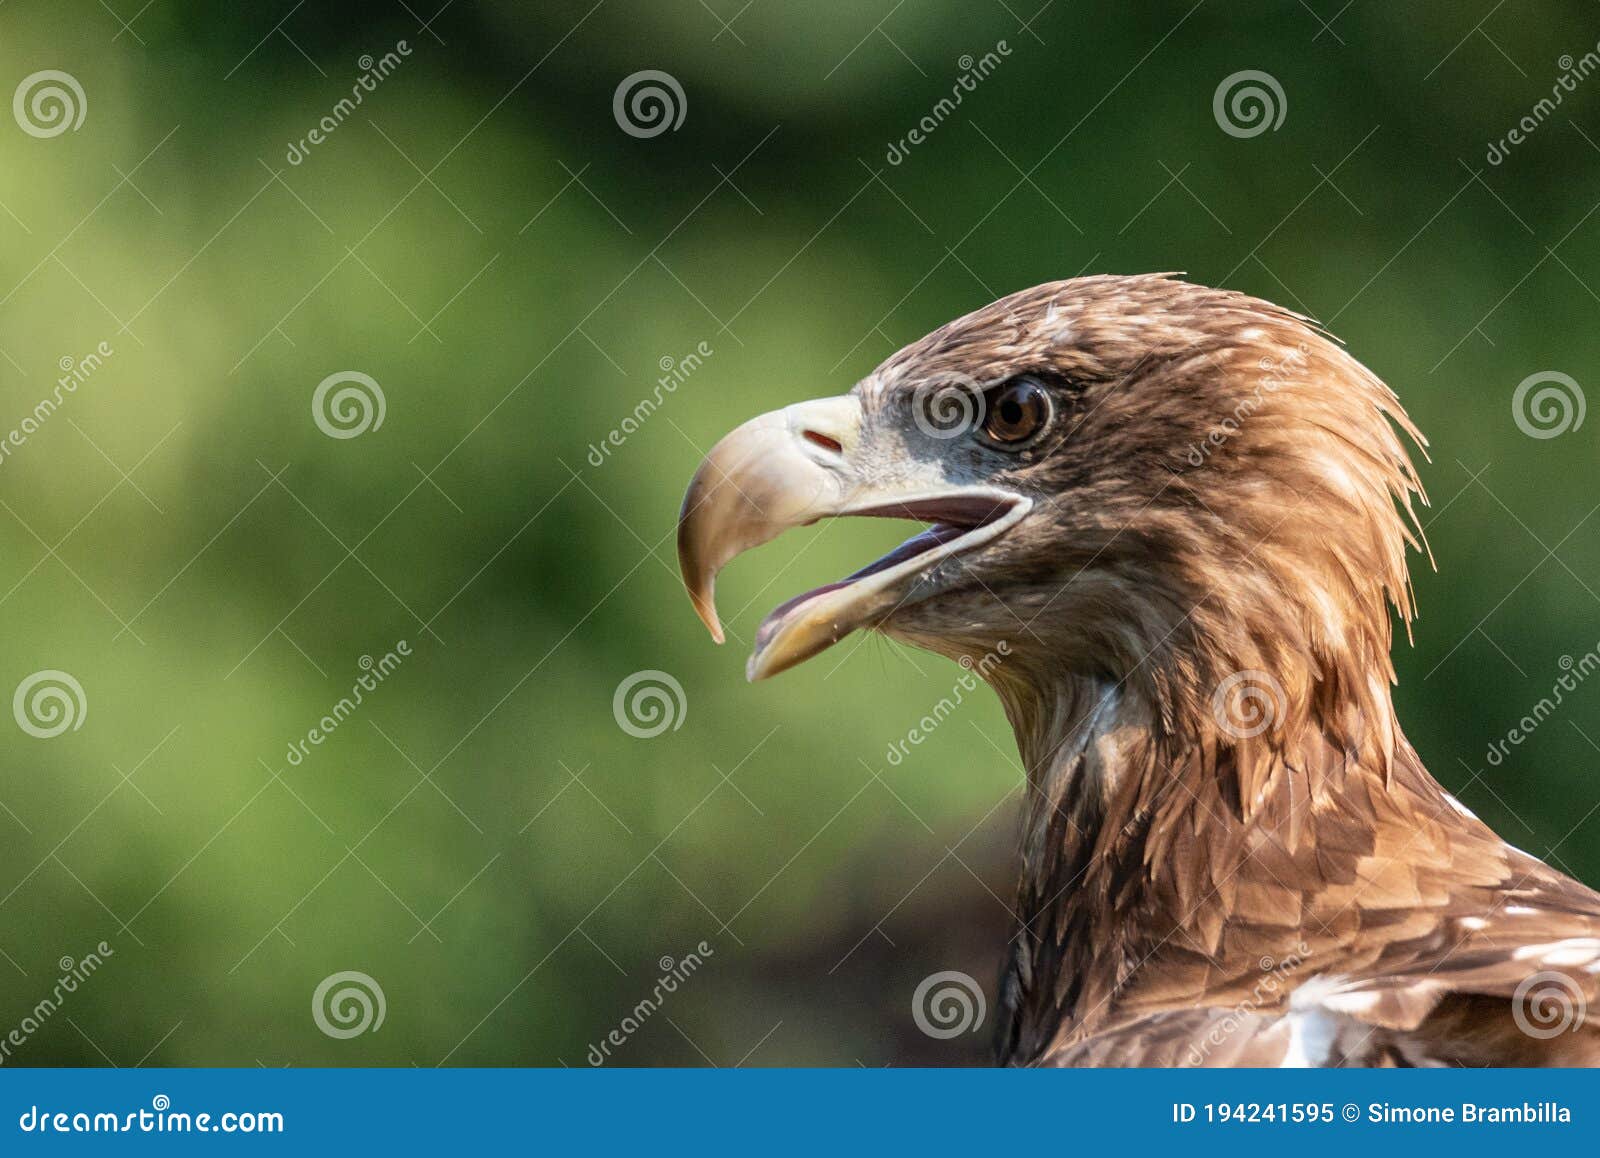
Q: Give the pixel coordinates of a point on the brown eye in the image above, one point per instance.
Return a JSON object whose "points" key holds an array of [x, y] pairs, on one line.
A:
{"points": [[1015, 413]]}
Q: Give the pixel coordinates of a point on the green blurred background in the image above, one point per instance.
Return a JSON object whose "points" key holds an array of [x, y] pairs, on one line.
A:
{"points": [[484, 240]]}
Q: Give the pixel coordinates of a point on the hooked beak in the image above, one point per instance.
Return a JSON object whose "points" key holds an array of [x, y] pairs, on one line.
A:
{"points": [[803, 463]]}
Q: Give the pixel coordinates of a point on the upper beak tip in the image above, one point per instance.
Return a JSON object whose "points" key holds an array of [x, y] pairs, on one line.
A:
{"points": [[707, 611]]}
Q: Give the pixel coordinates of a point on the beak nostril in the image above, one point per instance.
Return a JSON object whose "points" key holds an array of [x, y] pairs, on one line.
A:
{"points": [[823, 441]]}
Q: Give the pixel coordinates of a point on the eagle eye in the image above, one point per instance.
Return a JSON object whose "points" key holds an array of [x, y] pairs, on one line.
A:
{"points": [[1014, 414]]}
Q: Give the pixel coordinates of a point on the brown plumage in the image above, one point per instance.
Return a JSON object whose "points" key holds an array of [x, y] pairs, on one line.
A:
{"points": [[1230, 853]]}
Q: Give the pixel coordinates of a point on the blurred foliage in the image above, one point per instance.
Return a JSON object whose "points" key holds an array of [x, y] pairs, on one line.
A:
{"points": [[485, 242]]}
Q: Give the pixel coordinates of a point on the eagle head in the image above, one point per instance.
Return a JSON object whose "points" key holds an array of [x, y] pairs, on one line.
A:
{"points": [[1137, 480]]}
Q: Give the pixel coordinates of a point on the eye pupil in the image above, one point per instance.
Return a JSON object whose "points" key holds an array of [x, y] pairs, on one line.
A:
{"points": [[1016, 412]]}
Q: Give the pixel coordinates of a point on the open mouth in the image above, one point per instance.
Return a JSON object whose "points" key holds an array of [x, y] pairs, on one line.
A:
{"points": [[792, 467], [960, 522]]}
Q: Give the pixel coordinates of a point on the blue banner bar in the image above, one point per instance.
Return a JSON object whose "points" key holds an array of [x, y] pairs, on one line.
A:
{"points": [[713, 1112]]}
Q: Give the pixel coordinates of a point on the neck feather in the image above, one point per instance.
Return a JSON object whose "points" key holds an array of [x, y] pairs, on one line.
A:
{"points": [[1143, 826]]}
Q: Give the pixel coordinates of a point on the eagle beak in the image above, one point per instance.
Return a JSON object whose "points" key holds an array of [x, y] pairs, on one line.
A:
{"points": [[778, 471], [803, 463]]}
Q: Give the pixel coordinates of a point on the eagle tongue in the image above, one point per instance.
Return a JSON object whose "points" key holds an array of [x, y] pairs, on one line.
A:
{"points": [[922, 541]]}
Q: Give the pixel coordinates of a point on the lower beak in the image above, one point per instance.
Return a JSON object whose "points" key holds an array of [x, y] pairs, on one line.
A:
{"points": [[803, 463]]}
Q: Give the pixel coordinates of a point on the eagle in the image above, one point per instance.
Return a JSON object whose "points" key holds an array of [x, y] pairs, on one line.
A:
{"points": [[1167, 524]]}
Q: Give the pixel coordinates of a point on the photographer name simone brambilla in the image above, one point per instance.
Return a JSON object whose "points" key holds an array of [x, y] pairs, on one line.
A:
{"points": [[1381, 1113]]}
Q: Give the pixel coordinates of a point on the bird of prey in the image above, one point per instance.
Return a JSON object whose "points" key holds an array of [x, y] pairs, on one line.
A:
{"points": [[1166, 524]]}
